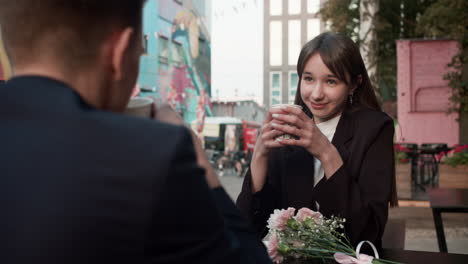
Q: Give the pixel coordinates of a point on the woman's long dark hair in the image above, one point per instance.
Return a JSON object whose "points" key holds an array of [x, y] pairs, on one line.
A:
{"points": [[342, 57]]}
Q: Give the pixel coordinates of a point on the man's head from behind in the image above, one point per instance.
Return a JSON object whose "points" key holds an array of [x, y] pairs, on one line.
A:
{"points": [[74, 37]]}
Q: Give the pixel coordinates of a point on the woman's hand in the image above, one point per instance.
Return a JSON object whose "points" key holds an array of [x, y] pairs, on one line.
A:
{"points": [[265, 142], [268, 134], [295, 122]]}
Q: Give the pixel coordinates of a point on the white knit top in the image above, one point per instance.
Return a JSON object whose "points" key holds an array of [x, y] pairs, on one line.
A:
{"points": [[328, 128]]}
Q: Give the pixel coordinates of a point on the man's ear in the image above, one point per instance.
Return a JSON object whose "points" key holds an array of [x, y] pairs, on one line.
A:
{"points": [[119, 49]]}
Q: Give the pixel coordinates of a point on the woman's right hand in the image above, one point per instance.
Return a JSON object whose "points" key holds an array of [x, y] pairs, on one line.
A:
{"points": [[265, 142], [268, 134]]}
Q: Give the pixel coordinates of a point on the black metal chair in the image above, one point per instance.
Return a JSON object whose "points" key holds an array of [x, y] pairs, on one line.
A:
{"points": [[413, 155], [429, 164]]}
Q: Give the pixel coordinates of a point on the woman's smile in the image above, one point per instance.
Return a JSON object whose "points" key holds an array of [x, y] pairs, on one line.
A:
{"points": [[318, 106]]}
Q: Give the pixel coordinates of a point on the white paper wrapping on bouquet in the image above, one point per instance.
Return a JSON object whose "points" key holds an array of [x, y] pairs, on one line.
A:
{"points": [[360, 258]]}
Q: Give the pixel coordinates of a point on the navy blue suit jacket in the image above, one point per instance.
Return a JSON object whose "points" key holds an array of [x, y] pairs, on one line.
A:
{"points": [[80, 185]]}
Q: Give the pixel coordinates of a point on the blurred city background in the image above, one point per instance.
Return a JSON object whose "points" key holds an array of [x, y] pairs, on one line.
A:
{"points": [[222, 64]]}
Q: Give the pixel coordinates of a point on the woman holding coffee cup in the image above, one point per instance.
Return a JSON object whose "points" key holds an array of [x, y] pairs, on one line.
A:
{"points": [[338, 158]]}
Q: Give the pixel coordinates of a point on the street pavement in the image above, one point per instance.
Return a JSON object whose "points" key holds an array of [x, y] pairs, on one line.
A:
{"points": [[231, 183]]}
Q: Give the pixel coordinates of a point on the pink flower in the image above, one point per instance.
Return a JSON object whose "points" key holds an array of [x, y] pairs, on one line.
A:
{"points": [[272, 248], [346, 259], [279, 218], [305, 212], [460, 148]]}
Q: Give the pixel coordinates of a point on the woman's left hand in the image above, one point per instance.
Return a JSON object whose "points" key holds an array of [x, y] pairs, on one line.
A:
{"points": [[310, 138]]}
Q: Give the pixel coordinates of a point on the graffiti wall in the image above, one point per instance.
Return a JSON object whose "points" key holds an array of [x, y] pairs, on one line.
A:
{"points": [[176, 65]]}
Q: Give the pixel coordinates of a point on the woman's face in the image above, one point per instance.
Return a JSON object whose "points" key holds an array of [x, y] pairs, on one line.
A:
{"points": [[322, 92]]}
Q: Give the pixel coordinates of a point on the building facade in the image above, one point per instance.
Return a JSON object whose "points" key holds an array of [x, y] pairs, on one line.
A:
{"points": [[247, 110], [423, 94], [176, 64], [288, 25]]}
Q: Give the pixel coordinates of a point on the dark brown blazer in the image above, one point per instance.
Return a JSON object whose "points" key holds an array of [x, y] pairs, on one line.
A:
{"points": [[360, 190]]}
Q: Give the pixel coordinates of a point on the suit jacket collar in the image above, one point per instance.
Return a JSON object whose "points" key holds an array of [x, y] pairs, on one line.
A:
{"points": [[343, 134], [45, 93], [341, 139]]}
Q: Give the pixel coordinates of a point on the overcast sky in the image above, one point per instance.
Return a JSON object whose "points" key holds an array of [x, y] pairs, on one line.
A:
{"points": [[237, 49]]}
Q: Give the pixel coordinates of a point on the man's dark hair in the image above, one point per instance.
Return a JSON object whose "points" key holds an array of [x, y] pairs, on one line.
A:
{"points": [[72, 30]]}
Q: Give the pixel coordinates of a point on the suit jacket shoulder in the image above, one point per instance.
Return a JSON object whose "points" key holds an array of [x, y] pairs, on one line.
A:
{"points": [[369, 118], [90, 186]]}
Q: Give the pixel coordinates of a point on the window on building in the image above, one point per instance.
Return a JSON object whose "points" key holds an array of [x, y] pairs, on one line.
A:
{"points": [[276, 7], [275, 88], [274, 101], [294, 41], [313, 28], [163, 45], [294, 7], [276, 43], [293, 80], [313, 6], [177, 55]]}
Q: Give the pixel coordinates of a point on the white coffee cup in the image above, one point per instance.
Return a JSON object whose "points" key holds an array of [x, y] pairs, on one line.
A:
{"points": [[140, 107], [286, 136], [284, 105]]}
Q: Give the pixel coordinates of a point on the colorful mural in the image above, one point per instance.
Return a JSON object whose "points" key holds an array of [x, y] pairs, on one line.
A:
{"points": [[176, 66]]}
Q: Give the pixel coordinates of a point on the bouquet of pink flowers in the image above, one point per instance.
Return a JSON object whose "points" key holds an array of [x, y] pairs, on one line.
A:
{"points": [[310, 235]]}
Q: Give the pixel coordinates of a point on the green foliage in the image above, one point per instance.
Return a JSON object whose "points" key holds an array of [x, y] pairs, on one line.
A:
{"points": [[449, 19], [403, 19], [343, 16], [459, 97], [457, 159], [445, 19], [387, 33], [401, 157], [396, 19], [292, 224], [457, 156], [402, 154]]}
